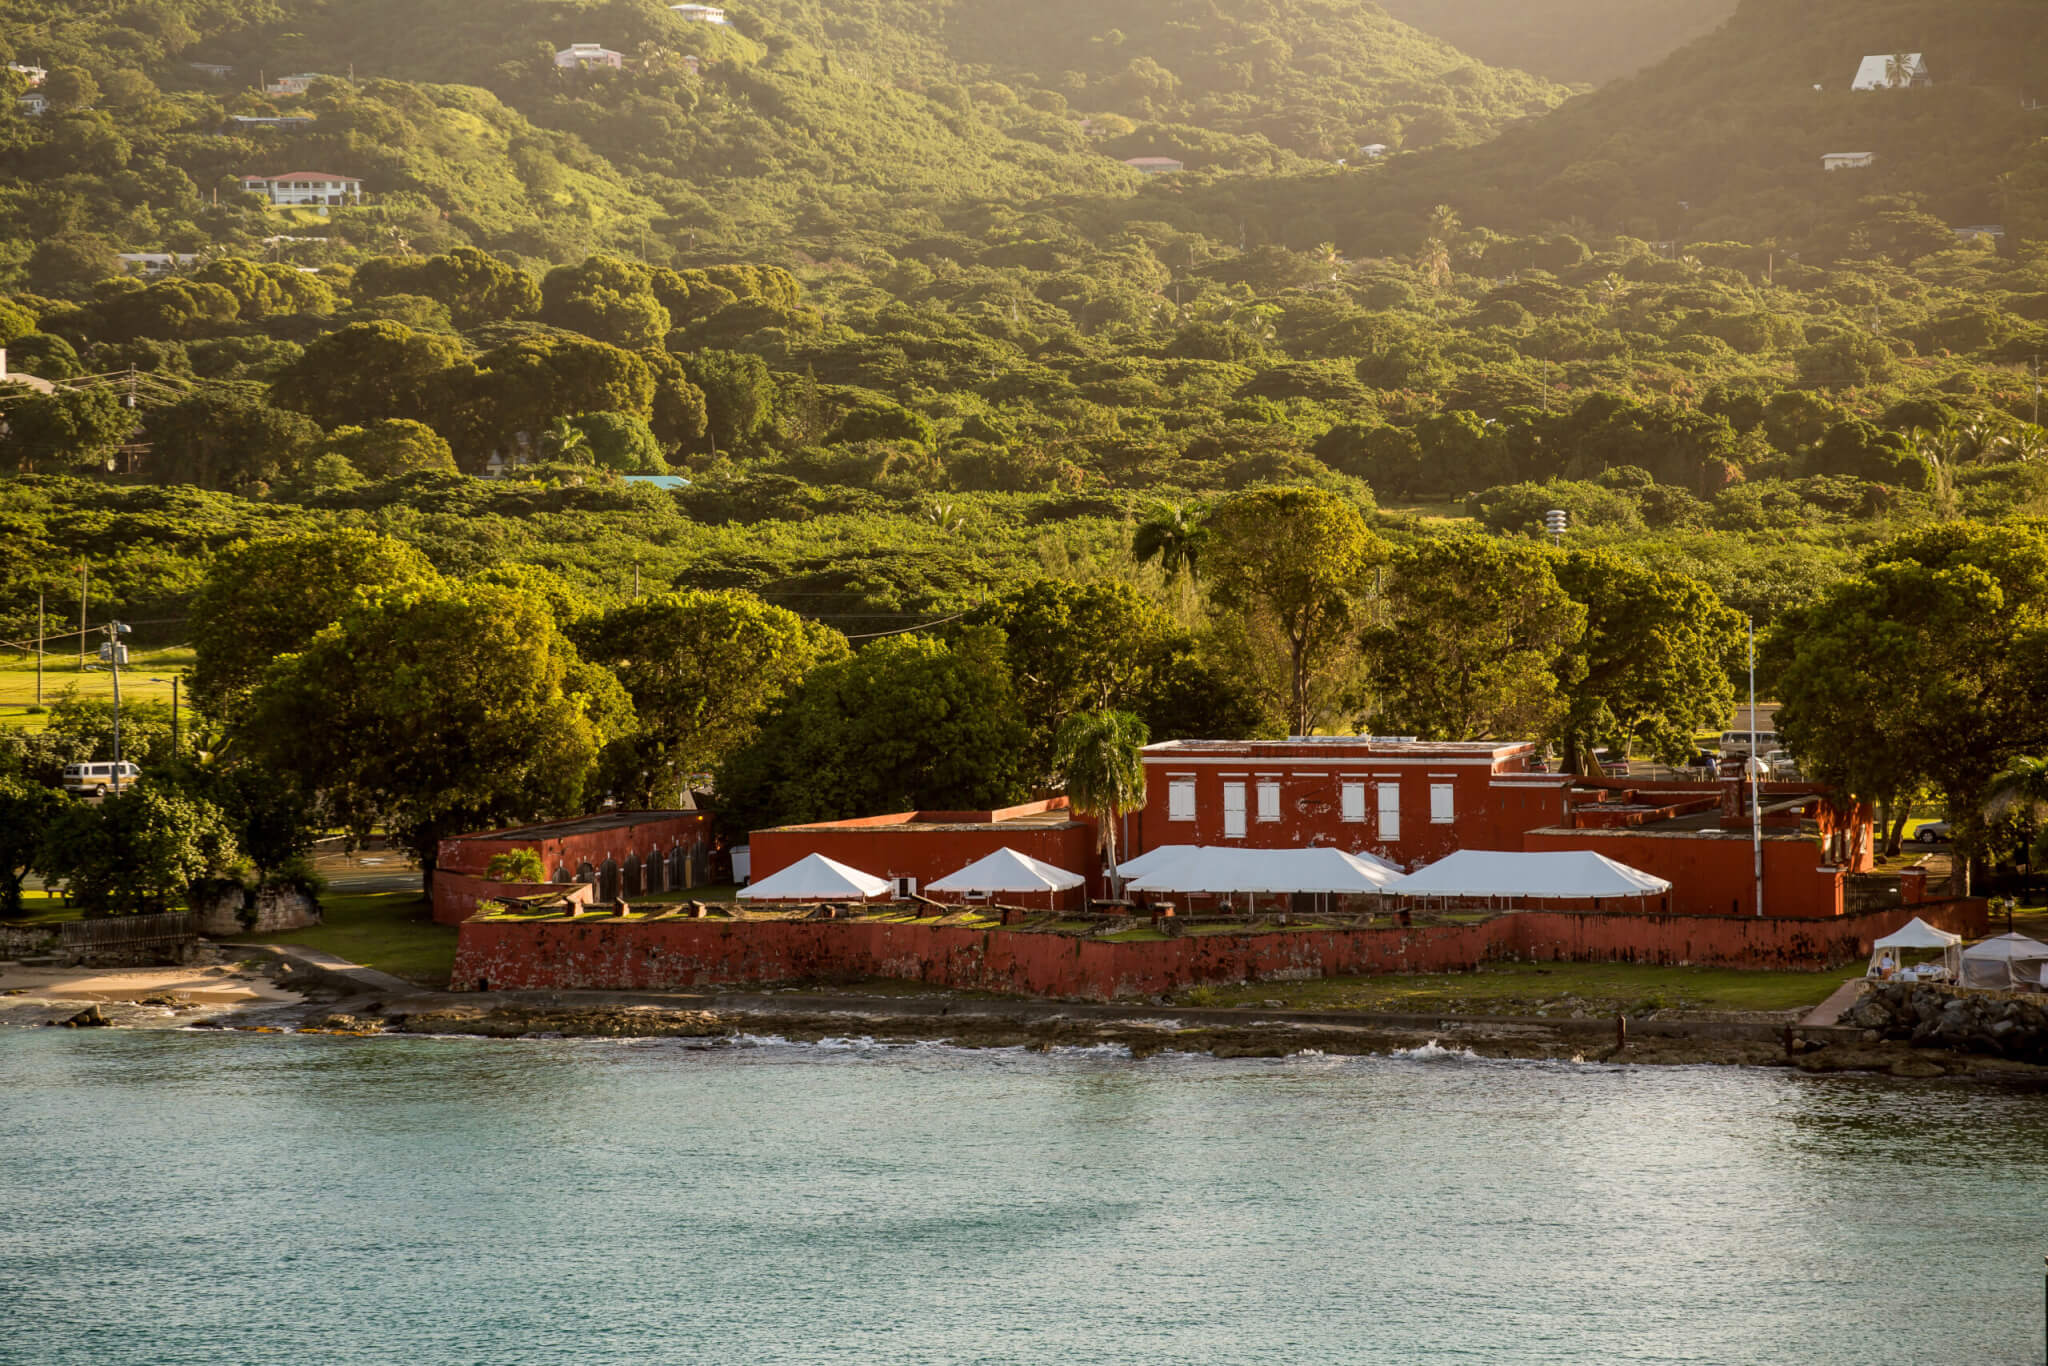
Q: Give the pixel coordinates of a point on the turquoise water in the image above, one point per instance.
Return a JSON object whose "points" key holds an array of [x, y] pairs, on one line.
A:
{"points": [[176, 1197]]}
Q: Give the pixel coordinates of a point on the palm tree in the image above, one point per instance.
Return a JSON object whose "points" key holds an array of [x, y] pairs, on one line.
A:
{"points": [[567, 441], [1173, 534], [1943, 450], [1100, 756]]}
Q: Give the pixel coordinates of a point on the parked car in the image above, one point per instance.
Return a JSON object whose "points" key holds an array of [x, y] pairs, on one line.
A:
{"points": [[1783, 765], [1934, 832]]}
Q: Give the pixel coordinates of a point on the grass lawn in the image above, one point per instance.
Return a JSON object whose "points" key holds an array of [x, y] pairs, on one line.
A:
{"points": [[393, 932], [61, 675], [1552, 988]]}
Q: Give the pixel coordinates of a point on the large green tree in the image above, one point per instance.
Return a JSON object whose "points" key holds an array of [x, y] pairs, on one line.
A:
{"points": [[438, 708], [1655, 663], [27, 809], [1930, 666], [263, 599], [700, 667], [138, 852], [1474, 635], [1298, 560], [906, 723], [1100, 757]]}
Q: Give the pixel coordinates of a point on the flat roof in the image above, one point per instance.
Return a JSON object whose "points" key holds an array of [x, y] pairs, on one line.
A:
{"points": [[577, 825], [1310, 745], [1041, 820]]}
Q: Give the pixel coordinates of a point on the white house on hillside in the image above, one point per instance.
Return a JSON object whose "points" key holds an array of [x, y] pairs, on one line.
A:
{"points": [[33, 103], [589, 57], [34, 75], [321, 188], [1846, 161], [296, 84], [1891, 71], [701, 14]]}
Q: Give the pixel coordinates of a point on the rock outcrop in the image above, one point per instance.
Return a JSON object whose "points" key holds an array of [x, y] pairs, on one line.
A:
{"points": [[1927, 1016]]}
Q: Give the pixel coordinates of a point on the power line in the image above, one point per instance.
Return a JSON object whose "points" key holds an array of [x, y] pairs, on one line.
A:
{"points": [[901, 630]]}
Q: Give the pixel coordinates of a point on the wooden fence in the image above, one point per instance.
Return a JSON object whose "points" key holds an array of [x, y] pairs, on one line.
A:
{"points": [[122, 933]]}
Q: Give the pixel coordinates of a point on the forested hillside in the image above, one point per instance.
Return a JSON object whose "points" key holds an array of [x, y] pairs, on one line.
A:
{"points": [[792, 125], [1590, 41], [1724, 139], [876, 284]]}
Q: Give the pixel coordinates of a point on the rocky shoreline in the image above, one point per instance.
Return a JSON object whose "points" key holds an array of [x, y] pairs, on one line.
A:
{"points": [[1895, 1031], [1144, 1033]]}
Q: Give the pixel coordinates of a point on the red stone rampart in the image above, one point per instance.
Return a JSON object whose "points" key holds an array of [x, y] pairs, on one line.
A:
{"points": [[456, 895], [606, 954]]}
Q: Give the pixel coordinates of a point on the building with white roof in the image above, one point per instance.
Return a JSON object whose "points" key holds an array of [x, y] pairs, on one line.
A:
{"points": [[1891, 71]]}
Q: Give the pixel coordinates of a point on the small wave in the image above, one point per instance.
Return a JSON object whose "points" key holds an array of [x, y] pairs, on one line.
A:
{"points": [[1436, 1052]]}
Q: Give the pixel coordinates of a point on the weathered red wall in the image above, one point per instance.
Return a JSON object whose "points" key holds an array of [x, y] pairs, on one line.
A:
{"points": [[1715, 874], [925, 853], [648, 834], [604, 954]]}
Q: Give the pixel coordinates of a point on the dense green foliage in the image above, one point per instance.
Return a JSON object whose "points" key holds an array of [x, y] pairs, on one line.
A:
{"points": [[969, 411]]}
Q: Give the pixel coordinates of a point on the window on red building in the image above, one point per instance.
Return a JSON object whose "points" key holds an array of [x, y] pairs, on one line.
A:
{"points": [[1180, 799], [1233, 811], [1390, 811], [1269, 799], [1354, 801], [1440, 808]]}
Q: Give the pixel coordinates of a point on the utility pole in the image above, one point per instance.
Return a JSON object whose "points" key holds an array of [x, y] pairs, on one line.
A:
{"points": [[1755, 766], [84, 595], [39, 649], [116, 654]]}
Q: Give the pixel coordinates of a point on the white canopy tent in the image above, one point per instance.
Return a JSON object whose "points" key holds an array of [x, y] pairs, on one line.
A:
{"points": [[1888, 955], [2000, 964], [1138, 865], [1007, 872], [1210, 870], [817, 878], [1551, 875]]}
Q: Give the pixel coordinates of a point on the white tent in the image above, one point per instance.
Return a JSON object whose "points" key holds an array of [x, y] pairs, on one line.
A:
{"points": [[2010, 960], [1140, 864], [817, 878], [1566, 874], [1212, 870], [1887, 955], [1007, 872]]}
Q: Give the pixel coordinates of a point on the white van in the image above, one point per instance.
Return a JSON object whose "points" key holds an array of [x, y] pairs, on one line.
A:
{"points": [[85, 780], [1742, 742]]}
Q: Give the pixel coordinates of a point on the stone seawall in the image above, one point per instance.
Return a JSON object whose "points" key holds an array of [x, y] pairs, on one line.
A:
{"points": [[604, 953]]}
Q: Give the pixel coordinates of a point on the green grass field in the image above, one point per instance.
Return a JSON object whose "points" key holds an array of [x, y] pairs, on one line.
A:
{"points": [[146, 678], [1556, 989], [393, 932]]}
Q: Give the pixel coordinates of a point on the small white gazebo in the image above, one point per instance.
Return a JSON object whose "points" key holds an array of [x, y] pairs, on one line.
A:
{"points": [[816, 878], [1008, 873], [1888, 955], [2000, 964]]}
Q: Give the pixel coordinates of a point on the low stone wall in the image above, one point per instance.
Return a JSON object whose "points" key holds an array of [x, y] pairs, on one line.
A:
{"points": [[603, 953], [2000, 1024], [271, 910]]}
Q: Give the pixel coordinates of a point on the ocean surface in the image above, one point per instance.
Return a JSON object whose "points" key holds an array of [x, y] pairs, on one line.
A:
{"points": [[173, 1197]]}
